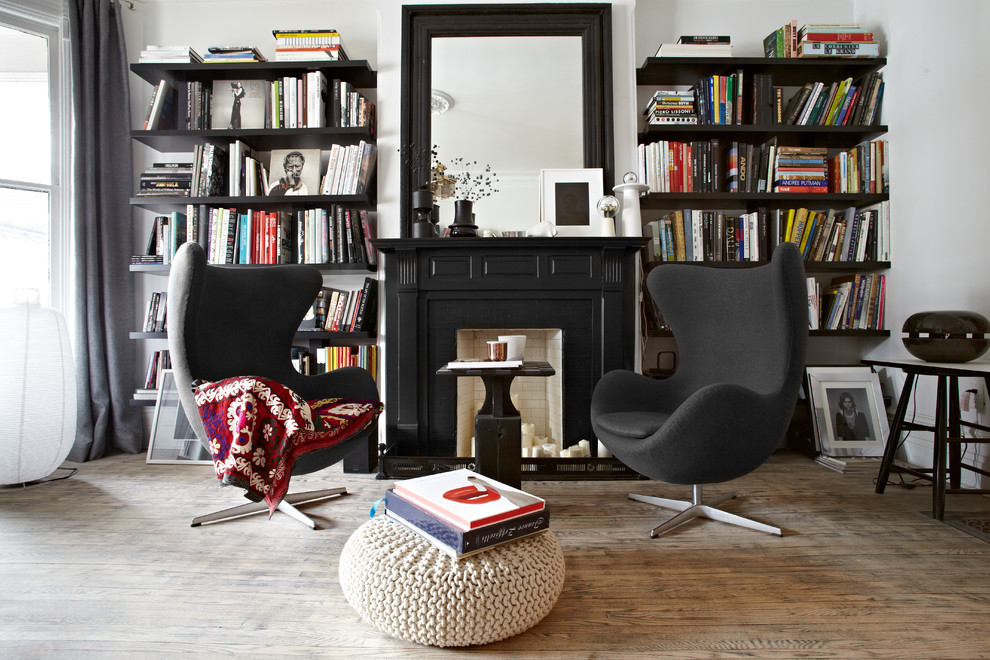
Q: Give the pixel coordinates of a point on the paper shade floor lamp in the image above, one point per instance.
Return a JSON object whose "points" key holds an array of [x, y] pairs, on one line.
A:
{"points": [[37, 390]]}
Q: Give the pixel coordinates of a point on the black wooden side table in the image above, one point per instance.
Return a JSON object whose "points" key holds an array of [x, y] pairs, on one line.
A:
{"points": [[497, 426], [947, 463]]}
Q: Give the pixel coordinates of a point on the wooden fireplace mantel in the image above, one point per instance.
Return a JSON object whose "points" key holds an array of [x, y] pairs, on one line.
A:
{"points": [[434, 287]]}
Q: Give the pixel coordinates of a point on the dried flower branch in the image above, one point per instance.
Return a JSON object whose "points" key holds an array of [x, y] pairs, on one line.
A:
{"points": [[472, 182]]}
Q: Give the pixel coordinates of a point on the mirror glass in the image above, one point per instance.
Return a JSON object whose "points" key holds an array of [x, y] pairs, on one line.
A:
{"points": [[515, 104]]}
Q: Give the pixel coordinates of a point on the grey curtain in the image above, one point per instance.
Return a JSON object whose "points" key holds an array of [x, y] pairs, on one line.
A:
{"points": [[101, 185]]}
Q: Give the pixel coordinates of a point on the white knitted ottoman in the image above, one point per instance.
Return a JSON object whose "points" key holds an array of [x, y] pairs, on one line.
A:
{"points": [[406, 587]]}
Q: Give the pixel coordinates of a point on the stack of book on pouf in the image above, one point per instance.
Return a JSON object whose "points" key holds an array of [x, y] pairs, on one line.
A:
{"points": [[462, 512]]}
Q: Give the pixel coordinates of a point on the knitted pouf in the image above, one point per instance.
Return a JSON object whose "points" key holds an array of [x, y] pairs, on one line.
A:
{"points": [[408, 588]]}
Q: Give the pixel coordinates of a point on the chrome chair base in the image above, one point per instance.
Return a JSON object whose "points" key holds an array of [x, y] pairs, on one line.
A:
{"points": [[286, 506], [698, 508]]}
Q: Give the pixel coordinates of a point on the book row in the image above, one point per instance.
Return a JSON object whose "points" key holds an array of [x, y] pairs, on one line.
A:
{"points": [[158, 362], [338, 310], [337, 234], [820, 40], [154, 317], [851, 235], [863, 169], [697, 45], [303, 45], [165, 179], [238, 171], [310, 100], [849, 302], [227, 54], [732, 100], [841, 103], [170, 54], [308, 45], [712, 166], [696, 235], [328, 358]]}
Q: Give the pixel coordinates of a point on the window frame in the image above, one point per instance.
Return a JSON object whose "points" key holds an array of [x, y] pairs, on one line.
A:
{"points": [[49, 21]]}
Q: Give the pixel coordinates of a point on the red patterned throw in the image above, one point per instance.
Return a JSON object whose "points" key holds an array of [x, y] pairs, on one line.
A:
{"points": [[257, 428]]}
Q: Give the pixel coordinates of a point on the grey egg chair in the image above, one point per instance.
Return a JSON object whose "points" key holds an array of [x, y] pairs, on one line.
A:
{"points": [[741, 336], [228, 321]]}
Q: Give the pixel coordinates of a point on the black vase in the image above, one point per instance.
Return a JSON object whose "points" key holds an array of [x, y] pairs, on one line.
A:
{"points": [[463, 225], [946, 335]]}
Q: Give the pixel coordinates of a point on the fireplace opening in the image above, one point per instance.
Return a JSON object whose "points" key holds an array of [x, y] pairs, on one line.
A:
{"points": [[538, 400]]}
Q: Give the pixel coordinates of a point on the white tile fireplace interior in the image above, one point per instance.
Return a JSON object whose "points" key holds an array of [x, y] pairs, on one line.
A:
{"points": [[539, 400]]}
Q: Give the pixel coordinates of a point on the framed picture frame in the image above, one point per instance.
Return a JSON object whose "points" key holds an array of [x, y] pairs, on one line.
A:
{"points": [[569, 200], [848, 415], [173, 439]]}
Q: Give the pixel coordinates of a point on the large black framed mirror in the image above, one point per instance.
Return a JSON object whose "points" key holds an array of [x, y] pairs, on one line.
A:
{"points": [[421, 24]]}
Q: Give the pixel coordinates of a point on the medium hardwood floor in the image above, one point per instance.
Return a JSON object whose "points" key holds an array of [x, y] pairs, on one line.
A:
{"points": [[105, 565]]}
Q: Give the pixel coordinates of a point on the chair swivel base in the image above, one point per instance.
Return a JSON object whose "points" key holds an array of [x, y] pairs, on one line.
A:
{"points": [[698, 508], [286, 506]]}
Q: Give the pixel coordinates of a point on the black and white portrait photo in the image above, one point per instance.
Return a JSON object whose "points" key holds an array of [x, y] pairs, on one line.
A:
{"points": [[238, 104], [294, 172], [850, 409]]}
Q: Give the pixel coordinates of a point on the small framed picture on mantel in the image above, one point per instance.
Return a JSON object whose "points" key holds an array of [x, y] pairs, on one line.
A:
{"points": [[569, 199]]}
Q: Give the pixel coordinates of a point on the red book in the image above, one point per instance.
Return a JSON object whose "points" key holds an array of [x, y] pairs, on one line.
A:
{"points": [[801, 189], [837, 36], [466, 499]]}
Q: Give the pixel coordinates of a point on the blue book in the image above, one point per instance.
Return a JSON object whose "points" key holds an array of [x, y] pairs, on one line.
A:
{"points": [[244, 242], [459, 543]]}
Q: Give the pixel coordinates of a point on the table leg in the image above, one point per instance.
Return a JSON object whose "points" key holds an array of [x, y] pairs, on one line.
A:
{"points": [[497, 443], [498, 433], [954, 431], [938, 469], [893, 438]]}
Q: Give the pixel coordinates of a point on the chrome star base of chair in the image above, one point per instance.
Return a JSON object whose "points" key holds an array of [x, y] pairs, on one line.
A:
{"points": [[286, 506], [698, 508]]}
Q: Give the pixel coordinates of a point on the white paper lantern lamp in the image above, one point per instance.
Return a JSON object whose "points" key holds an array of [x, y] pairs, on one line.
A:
{"points": [[37, 390]]}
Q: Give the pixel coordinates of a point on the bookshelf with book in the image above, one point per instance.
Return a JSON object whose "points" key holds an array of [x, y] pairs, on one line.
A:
{"points": [[771, 139], [262, 162]]}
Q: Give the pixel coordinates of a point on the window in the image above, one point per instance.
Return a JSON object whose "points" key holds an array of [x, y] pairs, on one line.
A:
{"points": [[34, 228]]}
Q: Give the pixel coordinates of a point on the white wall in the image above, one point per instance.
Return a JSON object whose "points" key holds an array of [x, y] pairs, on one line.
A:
{"points": [[935, 103], [935, 100]]}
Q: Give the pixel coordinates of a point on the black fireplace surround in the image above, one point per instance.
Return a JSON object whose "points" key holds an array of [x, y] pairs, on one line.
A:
{"points": [[586, 287]]}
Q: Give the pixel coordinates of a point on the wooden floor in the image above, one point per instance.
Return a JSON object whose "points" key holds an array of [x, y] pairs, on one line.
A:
{"points": [[104, 564]]}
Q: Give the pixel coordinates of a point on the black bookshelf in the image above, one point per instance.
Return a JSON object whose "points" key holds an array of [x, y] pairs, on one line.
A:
{"points": [[667, 72], [180, 140], [722, 200], [358, 72], [258, 202], [163, 269], [785, 71], [262, 139]]}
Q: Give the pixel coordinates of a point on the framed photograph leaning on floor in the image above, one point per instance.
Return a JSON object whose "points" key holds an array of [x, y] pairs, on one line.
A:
{"points": [[849, 418], [173, 439]]}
